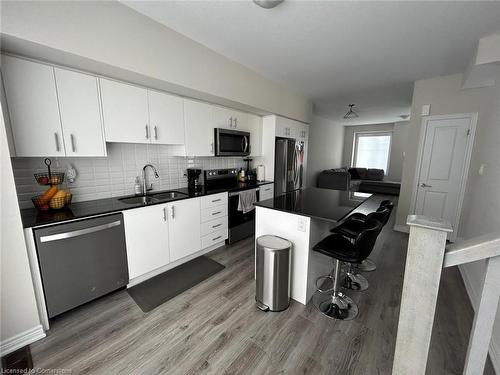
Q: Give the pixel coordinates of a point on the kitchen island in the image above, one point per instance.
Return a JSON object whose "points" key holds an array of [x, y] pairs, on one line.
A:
{"points": [[305, 217]]}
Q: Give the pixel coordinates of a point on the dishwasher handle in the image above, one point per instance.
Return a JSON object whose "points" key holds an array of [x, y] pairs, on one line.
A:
{"points": [[79, 232]]}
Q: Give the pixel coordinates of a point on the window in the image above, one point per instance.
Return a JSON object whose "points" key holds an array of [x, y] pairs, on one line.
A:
{"points": [[371, 150]]}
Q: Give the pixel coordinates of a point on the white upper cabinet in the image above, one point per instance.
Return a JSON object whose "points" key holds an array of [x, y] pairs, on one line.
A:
{"points": [[291, 129], [303, 131], [223, 117], [125, 112], [33, 109], [199, 139], [254, 126], [166, 116], [184, 227], [80, 113]]}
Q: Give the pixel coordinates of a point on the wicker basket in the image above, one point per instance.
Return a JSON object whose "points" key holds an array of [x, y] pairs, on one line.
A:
{"points": [[54, 178], [44, 204]]}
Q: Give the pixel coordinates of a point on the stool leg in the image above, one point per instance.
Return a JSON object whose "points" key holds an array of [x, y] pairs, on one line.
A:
{"points": [[353, 280], [339, 306], [367, 265]]}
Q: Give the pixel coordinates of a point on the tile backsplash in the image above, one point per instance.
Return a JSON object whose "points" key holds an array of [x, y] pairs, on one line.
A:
{"points": [[114, 175]]}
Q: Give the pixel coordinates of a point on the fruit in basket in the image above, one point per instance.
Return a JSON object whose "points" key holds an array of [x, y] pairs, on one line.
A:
{"points": [[49, 193], [58, 200], [43, 180], [55, 180]]}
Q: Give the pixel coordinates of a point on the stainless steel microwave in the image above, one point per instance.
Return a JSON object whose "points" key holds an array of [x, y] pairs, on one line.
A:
{"points": [[231, 142]]}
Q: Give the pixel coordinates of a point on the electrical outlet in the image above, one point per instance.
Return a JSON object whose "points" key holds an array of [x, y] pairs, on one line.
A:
{"points": [[301, 225]]}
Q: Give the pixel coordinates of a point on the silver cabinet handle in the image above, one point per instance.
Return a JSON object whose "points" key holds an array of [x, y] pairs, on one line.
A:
{"points": [[235, 122], [216, 200], [73, 146], [230, 122], [211, 148], [147, 131], [216, 238], [425, 185], [172, 211], [216, 226], [56, 136], [164, 213], [156, 132], [80, 232], [216, 213]]}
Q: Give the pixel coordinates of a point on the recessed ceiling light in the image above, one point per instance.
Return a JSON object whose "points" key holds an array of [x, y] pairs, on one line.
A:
{"points": [[268, 4]]}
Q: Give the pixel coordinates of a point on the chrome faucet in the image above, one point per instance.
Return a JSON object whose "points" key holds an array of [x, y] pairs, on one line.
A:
{"points": [[144, 185]]}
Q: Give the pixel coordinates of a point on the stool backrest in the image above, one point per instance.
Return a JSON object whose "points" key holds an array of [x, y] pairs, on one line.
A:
{"points": [[382, 214], [385, 202], [365, 240]]}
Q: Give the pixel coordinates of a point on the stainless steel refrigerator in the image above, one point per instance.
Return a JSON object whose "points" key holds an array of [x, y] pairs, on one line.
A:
{"points": [[288, 165]]}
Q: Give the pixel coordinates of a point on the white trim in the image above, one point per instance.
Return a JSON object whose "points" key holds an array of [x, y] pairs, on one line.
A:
{"points": [[146, 276], [465, 172], [22, 339], [401, 228], [494, 350]]}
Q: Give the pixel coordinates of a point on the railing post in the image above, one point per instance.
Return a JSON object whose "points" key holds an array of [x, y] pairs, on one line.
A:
{"points": [[424, 262]]}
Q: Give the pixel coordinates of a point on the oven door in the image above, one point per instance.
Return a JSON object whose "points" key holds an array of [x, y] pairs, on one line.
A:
{"points": [[231, 142], [240, 225]]}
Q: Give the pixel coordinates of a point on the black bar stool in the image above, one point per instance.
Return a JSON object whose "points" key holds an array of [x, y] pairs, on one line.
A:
{"points": [[355, 223], [341, 249]]}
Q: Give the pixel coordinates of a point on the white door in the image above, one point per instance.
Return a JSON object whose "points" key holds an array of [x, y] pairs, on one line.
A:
{"points": [[125, 112], [80, 113], [184, 226], [32, 102], [445, 157], [146, 233], [199, 139], [166, 116]]}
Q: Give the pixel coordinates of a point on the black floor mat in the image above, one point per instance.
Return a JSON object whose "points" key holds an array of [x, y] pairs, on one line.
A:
{"points": [[159, 289]]}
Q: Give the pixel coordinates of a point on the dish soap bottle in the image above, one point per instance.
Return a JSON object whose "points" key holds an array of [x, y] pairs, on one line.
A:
{"points": [[137, 186]]}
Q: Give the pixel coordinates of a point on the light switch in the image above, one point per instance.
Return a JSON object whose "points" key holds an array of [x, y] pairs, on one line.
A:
{"points": [[481, 169], [301, 225], [426, 110]]}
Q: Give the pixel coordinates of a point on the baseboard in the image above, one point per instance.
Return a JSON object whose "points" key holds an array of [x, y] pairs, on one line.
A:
{"points": [[494, 350], [21, 340], [401, 228]]}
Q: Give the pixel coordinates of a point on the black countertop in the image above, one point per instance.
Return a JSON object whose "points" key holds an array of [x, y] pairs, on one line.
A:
{"points": [[324, 204], [31, 217]]}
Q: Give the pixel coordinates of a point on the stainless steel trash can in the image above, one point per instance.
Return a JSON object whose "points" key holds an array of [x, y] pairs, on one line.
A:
{"points": [[273, 273]]}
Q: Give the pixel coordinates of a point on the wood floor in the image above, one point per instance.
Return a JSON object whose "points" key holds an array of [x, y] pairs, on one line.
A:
{"points": [[214, 328]]}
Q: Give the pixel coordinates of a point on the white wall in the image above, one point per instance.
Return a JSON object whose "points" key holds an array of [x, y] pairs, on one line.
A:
{"points": [[112, 39], [18, 312], [325, 147], [482, 202], [398, 147]]}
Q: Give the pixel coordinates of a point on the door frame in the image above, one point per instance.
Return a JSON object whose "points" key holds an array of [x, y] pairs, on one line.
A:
{"points": [[465, 172]]}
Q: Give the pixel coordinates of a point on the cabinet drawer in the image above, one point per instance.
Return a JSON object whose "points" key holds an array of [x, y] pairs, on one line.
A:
{"points": [[217, 212], [213, 225], [214, 200], [266, 192], [213, 238]]}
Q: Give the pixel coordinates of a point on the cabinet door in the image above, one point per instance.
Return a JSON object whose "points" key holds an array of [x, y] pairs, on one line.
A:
{"points": [[240, 120], [254, 125], [146, 233], [80, 113], [33, 109], [184, 227], [199, 130], [125, 112], [166, 116], [222, 117]]}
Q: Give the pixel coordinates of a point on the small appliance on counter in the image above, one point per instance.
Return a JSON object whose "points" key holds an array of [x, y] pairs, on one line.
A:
{"points": [[193, 176], [261, 173], [250, 174]]}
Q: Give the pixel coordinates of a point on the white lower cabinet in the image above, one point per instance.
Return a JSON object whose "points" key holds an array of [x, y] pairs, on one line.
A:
{"points": [[147, 236], [266, 192], [184, 227]]}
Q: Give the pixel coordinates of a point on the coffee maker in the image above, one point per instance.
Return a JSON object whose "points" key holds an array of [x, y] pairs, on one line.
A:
{"points": [[193, 176]]}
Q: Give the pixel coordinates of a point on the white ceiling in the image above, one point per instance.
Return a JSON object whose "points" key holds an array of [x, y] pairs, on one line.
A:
{"points": [[336, 53]]}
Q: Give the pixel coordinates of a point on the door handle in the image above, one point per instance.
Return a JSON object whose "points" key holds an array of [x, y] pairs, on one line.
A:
{"points": [[79, 232], [73, 145], [172, 211], [156, 132], [424, 185], [147, 132], [165, 214]]}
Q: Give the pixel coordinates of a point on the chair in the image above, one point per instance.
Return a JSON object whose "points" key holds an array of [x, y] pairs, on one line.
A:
{"points": [[355, 223], [342, 249]]}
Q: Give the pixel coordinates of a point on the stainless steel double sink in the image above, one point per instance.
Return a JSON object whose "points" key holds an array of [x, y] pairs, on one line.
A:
{"points": [[159, 197]]}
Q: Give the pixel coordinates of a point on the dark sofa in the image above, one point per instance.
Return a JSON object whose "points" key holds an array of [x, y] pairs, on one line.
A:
{"points": [[365, 180]]}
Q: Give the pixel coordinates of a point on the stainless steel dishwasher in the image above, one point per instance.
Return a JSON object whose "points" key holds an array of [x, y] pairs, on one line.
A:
{"points": [[81, 260]]}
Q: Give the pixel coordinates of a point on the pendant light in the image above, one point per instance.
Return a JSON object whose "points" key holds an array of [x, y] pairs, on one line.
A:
{"points": [[351, 113]]}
